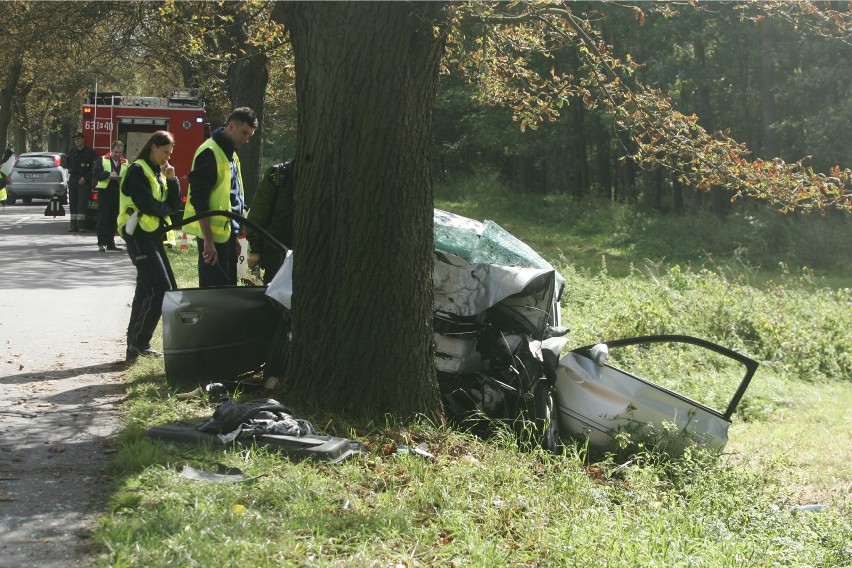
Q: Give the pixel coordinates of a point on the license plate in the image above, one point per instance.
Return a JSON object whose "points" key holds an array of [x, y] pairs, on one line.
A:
{"points": [[34, 176]]}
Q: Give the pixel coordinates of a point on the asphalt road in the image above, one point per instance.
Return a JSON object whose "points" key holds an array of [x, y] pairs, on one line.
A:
{"points": [[64, 308]]}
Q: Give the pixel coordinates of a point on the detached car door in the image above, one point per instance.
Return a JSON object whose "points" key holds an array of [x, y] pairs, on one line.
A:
{"points": [[598, 401], [217, 334]]}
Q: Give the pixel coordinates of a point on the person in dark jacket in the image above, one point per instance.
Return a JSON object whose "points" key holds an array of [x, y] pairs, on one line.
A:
{"points": [[272, 210], [108, 171], [216, 184], [80, 160], [150, 193]]}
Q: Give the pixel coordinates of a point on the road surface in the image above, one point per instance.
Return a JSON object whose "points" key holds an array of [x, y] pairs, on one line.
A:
{"points": [[64, 308]]}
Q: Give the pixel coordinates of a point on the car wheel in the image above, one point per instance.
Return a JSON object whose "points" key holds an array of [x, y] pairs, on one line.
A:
{"points": [[27, 200], [546, 417]]}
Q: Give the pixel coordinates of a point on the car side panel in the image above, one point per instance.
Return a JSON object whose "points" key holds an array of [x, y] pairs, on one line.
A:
{"points": [[214, 334]]}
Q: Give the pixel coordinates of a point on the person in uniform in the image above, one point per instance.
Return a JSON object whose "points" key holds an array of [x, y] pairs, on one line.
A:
{"points": [[150, 193], [80, 160], [216, 183], [107, 173]]}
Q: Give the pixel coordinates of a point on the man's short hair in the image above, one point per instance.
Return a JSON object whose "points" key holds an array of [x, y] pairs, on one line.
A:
{"points": [[243, 114]]}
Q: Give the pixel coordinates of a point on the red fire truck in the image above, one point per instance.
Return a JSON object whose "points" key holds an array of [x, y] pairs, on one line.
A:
{"points": [[112, 116]]}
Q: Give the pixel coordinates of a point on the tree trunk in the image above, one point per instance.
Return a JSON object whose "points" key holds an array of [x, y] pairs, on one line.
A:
{"points": [[248, 77], [677, 192], [769, 112], [247, 80], [362, 330], [580, 158], [7, 96]]}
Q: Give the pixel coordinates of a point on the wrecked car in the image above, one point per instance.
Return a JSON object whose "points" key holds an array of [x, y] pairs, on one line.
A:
{"points": [[498, 343]]}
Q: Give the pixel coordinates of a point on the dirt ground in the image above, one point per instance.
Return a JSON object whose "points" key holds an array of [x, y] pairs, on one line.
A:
{"points": [[63, 314]]}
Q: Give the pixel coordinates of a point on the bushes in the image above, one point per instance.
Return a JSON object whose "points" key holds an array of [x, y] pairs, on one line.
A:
{"points": [[797, 329]]}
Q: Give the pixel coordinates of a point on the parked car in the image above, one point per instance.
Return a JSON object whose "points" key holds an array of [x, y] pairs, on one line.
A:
{"points": [[38, 175], [498, 348]]}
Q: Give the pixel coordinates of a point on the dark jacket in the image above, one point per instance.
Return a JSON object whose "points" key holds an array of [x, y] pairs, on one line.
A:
{"points": [[273, 207], [202, 178], [98, 172], [138, 188], [80, 163]]}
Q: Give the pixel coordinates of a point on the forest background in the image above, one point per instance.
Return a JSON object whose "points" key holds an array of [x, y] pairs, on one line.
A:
{"points": [[511, 100]]}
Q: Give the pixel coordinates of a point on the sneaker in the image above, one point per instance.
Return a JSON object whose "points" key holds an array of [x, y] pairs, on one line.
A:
{"points": [[101, 248], [113, 247]]}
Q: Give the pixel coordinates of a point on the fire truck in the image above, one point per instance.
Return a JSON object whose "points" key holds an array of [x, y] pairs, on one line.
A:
{"points": [[112, 116]]}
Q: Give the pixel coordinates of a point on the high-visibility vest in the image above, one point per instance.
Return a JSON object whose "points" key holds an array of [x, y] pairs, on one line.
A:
{"points": [[106, 163], [126, 207], [3, 194], [220, 196]]}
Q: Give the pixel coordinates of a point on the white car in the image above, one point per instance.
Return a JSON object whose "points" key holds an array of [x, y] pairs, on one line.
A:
{"points": [[38, 175]]}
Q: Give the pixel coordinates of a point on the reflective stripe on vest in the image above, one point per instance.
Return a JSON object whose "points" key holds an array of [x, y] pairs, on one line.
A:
{"points": [[148, 223], [220, 195], [106, 163]]}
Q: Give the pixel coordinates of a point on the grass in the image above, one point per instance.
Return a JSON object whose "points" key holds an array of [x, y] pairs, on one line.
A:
{"points": [[485, 503]]}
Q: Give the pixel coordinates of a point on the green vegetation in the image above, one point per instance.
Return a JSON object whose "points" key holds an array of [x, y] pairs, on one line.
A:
{"points": [[485, 503]]}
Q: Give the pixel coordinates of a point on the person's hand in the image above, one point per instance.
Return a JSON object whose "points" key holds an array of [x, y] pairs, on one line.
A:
{"points": [[253, 260], [81, 181], [113, 175], [209, 252], [169, 170]]}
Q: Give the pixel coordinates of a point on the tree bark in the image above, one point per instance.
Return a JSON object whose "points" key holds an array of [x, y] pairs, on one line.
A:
{"points": [[247, 80], [366, 75], [248, 77], [7, 96], [769, 113]]}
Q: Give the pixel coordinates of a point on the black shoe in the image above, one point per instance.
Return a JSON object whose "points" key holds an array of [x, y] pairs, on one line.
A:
{"points": [[113, 247], [134, 352]]}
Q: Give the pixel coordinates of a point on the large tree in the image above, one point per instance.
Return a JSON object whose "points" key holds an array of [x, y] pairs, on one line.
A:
{"points": [[366, 75]]}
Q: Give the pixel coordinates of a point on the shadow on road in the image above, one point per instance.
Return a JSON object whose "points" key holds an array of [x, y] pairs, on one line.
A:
{"points": [[60, 374]]}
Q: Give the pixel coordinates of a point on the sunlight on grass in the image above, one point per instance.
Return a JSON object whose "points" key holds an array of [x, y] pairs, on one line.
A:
{"points": [[814, 434]]}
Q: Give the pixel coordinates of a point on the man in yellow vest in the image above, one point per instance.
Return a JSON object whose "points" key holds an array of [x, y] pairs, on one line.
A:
{"points": [[108, 172], [215, 183]]}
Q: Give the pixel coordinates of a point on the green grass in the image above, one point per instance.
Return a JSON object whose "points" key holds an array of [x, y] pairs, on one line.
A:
{"points": [[485, 503]]}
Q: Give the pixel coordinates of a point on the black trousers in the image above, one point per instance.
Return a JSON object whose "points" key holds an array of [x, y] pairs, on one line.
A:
{"points": [[107, 216], [78, 201], [154, 277], [271, 263], [224, 273]]}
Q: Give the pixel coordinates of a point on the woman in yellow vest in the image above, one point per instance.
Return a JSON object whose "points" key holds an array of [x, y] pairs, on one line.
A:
{"points": [[3, 193], [150, 192]]}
